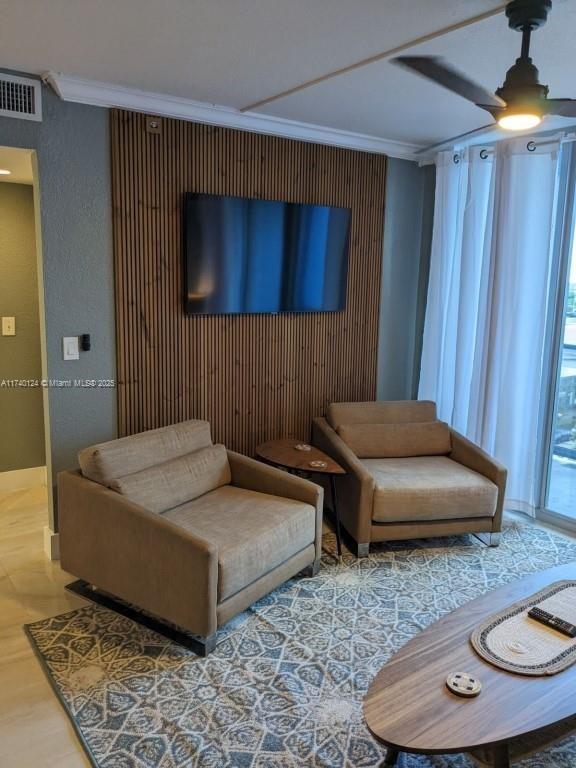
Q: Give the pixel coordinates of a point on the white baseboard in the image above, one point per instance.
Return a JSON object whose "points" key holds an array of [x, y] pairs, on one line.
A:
{"points": [[561, 523], [19, 479], [51, 544]]}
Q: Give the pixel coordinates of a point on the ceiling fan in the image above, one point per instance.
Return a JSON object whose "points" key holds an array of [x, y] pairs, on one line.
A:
{"points": [[522, 101]]}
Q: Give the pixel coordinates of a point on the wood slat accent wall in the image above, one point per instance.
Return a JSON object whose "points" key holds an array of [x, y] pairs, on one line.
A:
{"points": [[254, 377]]}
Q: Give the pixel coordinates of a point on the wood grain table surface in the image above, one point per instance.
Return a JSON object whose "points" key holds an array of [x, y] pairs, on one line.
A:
{"points": [[409, 708]]}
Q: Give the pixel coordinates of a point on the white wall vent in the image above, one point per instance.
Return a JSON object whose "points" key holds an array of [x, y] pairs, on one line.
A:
{"points": [[20, 97]]}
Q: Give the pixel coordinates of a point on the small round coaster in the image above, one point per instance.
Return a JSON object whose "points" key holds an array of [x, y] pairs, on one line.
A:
{"points": [[318, 464], [463, 684], [303, 447]]}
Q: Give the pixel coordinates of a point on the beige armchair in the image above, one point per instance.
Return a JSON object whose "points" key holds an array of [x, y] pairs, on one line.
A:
{"points": [[408, 474], [184, 529]]}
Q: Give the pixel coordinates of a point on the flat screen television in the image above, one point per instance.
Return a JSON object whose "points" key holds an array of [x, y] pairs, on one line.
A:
{"points": [[246, 255]]}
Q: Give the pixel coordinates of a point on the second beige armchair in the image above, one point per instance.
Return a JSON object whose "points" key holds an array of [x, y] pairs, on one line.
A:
{"points": [[408, 474]]}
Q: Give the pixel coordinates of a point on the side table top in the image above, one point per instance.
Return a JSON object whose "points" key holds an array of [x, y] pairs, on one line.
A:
{"points": [[284, 453]]}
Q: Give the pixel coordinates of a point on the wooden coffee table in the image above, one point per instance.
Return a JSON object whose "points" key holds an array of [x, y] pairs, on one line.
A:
{"points": [[283, 453], [409, 709]]}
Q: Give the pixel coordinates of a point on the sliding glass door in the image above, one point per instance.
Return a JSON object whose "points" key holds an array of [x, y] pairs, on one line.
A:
{"points": [[560, 488], [562, 485]]}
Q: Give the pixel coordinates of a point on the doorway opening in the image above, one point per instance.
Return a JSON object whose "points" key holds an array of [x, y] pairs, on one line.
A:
{"points": [[25, 500]]}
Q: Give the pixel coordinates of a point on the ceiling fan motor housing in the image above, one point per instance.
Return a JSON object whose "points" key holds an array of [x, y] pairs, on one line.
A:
{"points": [[530, 14], [522, 84]]}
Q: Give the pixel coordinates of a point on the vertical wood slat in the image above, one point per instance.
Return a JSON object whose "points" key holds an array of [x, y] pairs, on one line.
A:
{"points": [[254, 377]]}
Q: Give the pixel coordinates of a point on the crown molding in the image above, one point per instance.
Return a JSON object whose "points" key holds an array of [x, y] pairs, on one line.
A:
{"points": [[99, 94]]}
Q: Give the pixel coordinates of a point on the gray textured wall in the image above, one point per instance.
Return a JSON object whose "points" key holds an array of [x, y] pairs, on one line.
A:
{"points": [[72, 145], [409, 211], [21, 410]]}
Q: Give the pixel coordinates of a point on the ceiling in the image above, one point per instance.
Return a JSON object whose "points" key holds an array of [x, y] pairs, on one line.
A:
{"points": [[19, 163], [235, 53]]}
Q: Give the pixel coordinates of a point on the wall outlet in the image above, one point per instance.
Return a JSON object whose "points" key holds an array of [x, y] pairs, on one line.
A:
{"points": [[8, 326], [70, 348]]}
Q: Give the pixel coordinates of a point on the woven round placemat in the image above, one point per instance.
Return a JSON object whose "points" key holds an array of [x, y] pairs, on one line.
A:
{"points": [[513, 641]]}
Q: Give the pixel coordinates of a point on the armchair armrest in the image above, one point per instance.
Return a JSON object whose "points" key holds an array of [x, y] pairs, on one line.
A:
{"points": [[254, 475], [137, 555], [356, 487], [469, 454]]}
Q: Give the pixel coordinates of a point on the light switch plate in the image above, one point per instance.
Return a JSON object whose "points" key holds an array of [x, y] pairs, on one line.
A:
{"points": [[70, 348], [8, 326]]}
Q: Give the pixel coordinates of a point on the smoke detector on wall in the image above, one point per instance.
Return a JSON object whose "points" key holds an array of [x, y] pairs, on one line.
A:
{"points": [[20, 97]]}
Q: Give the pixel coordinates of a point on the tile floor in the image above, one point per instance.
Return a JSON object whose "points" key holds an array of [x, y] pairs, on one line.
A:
{"points": [[34, 731]]}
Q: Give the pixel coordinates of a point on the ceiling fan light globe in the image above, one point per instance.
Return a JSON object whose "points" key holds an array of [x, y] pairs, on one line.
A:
{"points": [[519, 121]]}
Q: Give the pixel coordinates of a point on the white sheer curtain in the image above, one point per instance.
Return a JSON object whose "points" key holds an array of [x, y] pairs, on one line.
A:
{"points": [[460, 223], [491, 277]]}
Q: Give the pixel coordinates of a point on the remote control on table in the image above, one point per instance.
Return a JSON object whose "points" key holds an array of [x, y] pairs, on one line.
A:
{"points": [[552, 621]]}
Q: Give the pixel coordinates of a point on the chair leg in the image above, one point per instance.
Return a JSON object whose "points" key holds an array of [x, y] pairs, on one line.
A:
{"points": [[206, 645], [362, 550], [489, 539], [311, 570], [202, 646]]}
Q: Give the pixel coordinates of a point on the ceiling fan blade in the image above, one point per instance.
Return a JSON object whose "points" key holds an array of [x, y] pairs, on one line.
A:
{"points": [[562, 107], [455, 139], [436, 70]]}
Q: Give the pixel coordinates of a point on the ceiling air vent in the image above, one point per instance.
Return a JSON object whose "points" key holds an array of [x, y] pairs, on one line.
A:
{"points": [[20, 97]]}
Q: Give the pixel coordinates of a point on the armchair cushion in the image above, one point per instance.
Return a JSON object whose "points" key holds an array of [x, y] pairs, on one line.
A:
{"points": [[426, 438], [429, 488], [253, 532], [174, 482], [108, 461]]}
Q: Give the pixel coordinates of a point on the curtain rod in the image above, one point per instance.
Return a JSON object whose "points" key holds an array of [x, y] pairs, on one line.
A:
{"points": [[531, 146]]}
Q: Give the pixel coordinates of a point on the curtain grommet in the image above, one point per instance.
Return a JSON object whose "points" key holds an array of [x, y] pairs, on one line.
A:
{"points": [[531, 146], [483, 154]]}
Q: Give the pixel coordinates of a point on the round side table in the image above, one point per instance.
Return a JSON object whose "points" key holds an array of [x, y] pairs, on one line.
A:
{"points": [[284, 453]]}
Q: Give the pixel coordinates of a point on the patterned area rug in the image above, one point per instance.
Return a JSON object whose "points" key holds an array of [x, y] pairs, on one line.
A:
{"points": [[284, 687]]}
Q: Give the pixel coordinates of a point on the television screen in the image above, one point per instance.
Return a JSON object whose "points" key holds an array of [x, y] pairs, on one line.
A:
{"points": [[245, 255]]}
